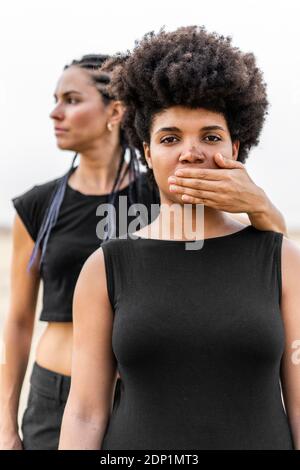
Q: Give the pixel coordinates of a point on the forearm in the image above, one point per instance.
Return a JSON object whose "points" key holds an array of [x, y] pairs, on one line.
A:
{"points": [[79, 432], [295, 428], [267, 217], [17, 342]]}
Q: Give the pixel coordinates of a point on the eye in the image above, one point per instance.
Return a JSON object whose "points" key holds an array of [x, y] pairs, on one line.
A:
{"points": [[72, 100], [168, 140], [214, 137]]}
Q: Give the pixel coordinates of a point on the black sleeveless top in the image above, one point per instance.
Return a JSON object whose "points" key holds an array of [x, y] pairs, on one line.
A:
{"points": [[198, 338], [72, 240]]}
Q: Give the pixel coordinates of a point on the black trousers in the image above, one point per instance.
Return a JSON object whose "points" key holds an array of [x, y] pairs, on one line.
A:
{"points": [[47, 398]]}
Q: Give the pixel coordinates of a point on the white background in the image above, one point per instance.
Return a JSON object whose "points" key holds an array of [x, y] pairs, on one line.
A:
{"points": [[37, 38]]}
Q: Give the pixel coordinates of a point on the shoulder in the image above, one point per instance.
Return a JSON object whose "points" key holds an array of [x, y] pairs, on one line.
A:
{"points": [[290, 260], [98, 261], [290, 251], [91, 281], [93, 277], [91, 304], [114, 245], [31, 205], [37, 193], [93, 266]]}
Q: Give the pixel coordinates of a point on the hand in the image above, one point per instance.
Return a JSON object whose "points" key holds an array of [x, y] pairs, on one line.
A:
{"points": [[228, 188], [10, 442]]}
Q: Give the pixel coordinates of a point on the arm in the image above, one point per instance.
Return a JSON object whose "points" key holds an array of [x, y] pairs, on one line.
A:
{"points": [[94, 365], [265, 217], [17, 335], [290, 307]]}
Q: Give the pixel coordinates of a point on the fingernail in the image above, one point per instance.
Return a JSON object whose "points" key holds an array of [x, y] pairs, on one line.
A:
{"points": [[172, 179], [178, 173], [172, 187]]}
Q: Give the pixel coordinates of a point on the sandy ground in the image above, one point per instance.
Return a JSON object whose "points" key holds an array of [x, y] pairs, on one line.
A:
{"points": [[5, 256]]}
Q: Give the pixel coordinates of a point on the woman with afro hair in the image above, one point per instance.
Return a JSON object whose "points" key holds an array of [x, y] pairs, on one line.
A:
{"points": [[200, 323]]}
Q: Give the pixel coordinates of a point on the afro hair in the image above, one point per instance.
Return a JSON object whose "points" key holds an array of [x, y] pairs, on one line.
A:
{"points": [[194, 68]]}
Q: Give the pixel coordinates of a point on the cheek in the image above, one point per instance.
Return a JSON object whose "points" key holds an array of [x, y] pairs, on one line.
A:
{"points": [[86, 119], [225, 148], [209, 150], [163, 158], [164, 161]]}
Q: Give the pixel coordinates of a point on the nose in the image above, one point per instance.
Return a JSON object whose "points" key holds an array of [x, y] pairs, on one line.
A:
{"points": [[192, 155], [56, 113]]}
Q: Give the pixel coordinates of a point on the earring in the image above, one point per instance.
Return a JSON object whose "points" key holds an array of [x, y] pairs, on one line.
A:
{"points": [[109, 126]]}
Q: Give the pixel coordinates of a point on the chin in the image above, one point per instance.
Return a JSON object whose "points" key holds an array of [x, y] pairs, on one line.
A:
{"points": [[64, 146], [61, 147], [175, 199]]}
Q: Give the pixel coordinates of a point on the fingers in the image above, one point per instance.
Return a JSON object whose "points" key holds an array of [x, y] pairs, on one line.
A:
{"points": [[215, 174], [196, 200], [228, 163], [203, 173], [194, 183], [195, 193]]}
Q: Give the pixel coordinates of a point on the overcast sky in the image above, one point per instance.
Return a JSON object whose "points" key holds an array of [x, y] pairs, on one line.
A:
{"points": [[37, 38]]}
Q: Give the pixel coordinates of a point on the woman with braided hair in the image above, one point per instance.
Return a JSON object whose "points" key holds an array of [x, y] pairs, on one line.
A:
{"points": [[54, 233]]}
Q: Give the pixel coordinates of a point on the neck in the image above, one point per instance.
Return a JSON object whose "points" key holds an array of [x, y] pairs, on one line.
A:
{"points": [[191, 222], [98, 167]]}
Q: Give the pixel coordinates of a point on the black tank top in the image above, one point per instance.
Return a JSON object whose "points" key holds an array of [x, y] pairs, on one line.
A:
{"points": [[198, 338], [72, 240]]}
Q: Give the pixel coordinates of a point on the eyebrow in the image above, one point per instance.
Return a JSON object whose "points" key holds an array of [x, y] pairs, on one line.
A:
{"points": [[68, 93], [176, 129]]}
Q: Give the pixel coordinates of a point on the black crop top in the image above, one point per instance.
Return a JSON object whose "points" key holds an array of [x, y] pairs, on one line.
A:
{"points": [[72, 240]]}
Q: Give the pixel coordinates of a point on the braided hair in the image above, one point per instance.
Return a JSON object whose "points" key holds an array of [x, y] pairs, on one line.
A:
{"points": [[101, 78]]}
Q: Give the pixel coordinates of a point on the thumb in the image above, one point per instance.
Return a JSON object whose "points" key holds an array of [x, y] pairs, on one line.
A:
{"points": [[224, 162]]}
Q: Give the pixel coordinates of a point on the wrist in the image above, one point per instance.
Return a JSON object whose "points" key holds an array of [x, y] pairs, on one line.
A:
{"points": [[9, 432], [263, 206], [9, 426], [265, 216]]}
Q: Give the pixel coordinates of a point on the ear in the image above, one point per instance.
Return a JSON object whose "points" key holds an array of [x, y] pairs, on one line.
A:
{"points": [[235, 149], [147, 154], [116, 112]]}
